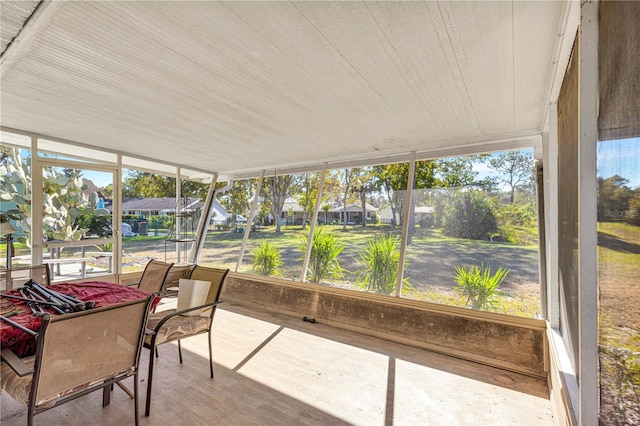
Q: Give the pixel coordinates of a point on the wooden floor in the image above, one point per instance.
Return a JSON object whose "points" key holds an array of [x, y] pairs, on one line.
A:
{"points": [[278, 370]]}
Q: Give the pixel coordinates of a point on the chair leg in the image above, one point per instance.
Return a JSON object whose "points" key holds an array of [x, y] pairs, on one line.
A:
{"points": [[30, 414], [106, 395], [210, 354], [135, 397], [180, 351], [147, 409]]}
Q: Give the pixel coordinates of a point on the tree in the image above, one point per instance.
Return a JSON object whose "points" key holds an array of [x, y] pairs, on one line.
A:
{"points": [[457, 172], [471, 216], [276, 190], [613, 198], [348, 179], [383, 180], [236, 199], [392, 179], [515, 169], [326, 208], [634, 211], [148, 185], [363, 187], [189, 188], [307, 197], [139, 184]]}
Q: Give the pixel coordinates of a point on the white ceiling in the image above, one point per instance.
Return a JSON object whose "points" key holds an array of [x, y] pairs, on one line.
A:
{"points": [[237, 87]]}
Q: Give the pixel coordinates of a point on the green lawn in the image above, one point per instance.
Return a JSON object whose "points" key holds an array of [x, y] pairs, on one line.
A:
{"points": [[431, 260]]}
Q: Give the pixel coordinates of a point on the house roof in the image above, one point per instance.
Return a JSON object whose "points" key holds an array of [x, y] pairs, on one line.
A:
{"points": [[235, 88], [160, 204], [355, 207]]}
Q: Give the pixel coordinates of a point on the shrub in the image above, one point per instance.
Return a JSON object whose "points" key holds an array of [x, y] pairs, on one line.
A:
{"points": [[517, 223], [266, 259], [323, 261], [380, 263], [633, 212], [470, 215], [96, 225], [480, 287], [427, 221]]}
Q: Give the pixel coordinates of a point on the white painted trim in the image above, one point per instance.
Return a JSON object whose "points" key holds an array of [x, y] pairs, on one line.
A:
{"points": [[551, 213], [564, 390], [37, 209], [569, 23], [203, 225], [405, 222], [496, 144], [587, 215], [247, 228], [532, 139], [314, 221], [117, 218], [112, 151]]}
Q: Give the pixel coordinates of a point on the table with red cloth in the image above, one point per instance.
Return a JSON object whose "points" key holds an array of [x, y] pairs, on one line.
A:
{"points": [[102, 293]]}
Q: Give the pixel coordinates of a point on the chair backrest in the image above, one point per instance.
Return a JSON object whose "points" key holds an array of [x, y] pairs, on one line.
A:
{"points": [[80, 351], [175, 273], [16, 277], [214, 275], [154, 276]]}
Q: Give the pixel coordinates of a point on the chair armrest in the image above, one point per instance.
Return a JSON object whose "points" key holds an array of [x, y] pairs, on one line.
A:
{"points": [[15, 363], [182, 311]]}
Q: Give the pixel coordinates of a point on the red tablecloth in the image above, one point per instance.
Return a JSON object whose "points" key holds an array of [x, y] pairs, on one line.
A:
{"points": [[102, 293]]}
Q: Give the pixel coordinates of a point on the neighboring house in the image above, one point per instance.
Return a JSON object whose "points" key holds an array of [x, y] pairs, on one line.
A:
{"points": [[158, 206], [424, 213], [386, 215], [354, 213], [219, 214], [167, 206], [293, 213], [421, 212]]}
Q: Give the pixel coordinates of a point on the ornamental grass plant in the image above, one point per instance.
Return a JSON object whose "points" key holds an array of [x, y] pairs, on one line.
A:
{"points": [[480, 288]]}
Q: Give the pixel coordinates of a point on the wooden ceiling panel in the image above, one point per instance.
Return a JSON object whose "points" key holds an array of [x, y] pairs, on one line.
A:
{"points": [[243, 86]]}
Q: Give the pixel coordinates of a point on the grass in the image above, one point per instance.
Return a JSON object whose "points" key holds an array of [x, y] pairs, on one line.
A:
{"points": [[619, 322], [431, 259]]}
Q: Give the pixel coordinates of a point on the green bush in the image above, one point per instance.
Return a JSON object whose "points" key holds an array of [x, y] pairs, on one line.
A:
{"points": [[160, 221], [471, 216], [517, 223], [480, 287], [633, 216], [100, 225], [379, 264], [323, 261], [266, 259]]}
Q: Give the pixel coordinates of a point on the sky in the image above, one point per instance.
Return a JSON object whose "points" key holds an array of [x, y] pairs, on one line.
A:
{"points": [[620, 157], [100, 179]]}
